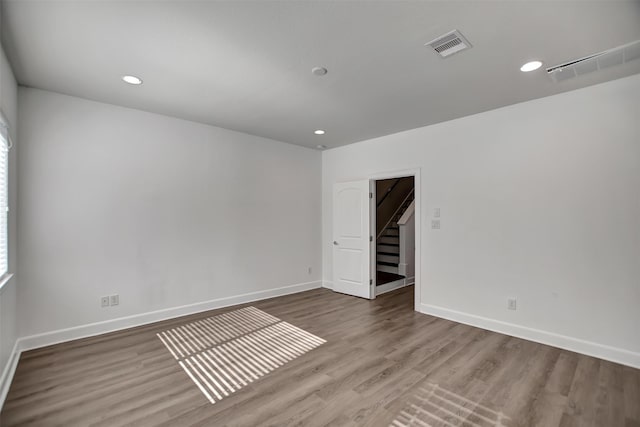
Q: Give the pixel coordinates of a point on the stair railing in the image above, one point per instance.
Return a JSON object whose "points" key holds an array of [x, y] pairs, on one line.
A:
{"points": [[389, 190], [406, 238], [396, 211]]}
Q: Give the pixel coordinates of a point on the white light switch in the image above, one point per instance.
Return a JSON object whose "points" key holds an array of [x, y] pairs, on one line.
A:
{"points": [[436, 212]]}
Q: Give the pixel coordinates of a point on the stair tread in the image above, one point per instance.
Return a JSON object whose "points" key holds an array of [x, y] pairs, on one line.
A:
{"points": [[388, 253], [390, 264]]}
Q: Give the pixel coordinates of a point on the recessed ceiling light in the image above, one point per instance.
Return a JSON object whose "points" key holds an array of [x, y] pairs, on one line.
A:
{"points": [[319, 132], [132, 80], [319, 71], [531, 66], [321, 147]]}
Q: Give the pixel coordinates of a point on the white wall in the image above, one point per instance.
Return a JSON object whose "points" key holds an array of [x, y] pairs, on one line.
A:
{"points": [[8, 293], [163, 212], [407, 232], [539, 201]]}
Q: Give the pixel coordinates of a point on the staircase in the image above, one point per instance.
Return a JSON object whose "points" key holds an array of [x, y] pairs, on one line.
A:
{"points": [[388, 244]]}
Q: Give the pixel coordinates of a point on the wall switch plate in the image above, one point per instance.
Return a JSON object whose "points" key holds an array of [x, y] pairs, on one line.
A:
{"points": [[104, 302], [436, 212], [114, 299], [435, 224], [511, 303]]}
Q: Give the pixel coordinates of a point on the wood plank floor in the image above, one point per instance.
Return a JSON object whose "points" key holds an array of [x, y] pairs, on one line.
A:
{"points": [[382, 364]]}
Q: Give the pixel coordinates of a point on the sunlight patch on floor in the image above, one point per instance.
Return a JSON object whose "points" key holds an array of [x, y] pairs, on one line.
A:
{"points": [[434, 406], [222, 354]]}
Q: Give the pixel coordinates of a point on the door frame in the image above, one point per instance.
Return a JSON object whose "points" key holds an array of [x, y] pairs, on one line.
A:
{"points": [[418, 238]]}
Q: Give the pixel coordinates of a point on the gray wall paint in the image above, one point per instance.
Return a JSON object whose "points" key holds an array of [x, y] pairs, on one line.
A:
{"points": [[8, 294], [539, 201], [162, 211]]}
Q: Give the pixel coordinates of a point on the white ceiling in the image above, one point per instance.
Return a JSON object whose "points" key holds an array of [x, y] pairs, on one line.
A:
{"points": [[246, 65]]}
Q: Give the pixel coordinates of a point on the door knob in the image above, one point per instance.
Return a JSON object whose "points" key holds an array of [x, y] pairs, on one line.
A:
{"points": [[335, 243]]}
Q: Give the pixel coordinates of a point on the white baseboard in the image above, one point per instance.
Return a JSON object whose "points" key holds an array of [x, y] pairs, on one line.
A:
{"points": [[410, 281], [327, 284], [589, 348], [8, 372], [92, 329]]}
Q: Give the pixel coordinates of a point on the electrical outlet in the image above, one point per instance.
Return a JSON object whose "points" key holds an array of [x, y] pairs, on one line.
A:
{"points": [[435, 224], [104, 302], [511, 303], [114, 299]]}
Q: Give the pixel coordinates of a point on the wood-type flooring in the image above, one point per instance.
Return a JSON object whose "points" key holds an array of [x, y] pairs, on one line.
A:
{"points": [[382, 364]]}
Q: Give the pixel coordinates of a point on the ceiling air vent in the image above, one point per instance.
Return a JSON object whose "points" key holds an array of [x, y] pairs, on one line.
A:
{"points": [[597, 61], [449, 44]]}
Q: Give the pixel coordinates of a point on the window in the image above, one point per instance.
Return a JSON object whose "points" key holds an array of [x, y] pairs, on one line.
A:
{"points": [[4, 199]]}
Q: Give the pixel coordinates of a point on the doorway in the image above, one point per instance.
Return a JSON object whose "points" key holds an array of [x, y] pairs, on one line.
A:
{"points": [[355, 237], [394, 233]]}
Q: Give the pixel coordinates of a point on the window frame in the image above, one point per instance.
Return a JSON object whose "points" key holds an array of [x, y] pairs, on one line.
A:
{"points": [[5, 146]]}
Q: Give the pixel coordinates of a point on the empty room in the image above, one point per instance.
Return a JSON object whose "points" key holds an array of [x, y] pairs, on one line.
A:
{"points": [[311, 213]]}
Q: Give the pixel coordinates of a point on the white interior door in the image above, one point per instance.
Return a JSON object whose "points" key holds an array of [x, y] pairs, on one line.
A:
{"points": [[351, 239]]}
